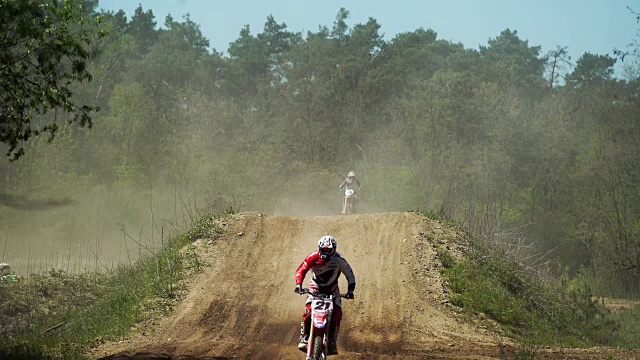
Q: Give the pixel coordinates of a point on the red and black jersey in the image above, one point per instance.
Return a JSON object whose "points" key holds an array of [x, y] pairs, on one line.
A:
{"points": [[325, 272]]}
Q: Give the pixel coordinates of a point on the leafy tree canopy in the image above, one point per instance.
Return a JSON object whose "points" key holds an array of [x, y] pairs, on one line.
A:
{"points": [[591, 69], [43, 53], [510, 60]]}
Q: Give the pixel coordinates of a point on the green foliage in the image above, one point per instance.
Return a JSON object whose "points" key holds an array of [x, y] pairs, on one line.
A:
{"points": [[511, 61], [490, 284], [30, 307], [591, 69], [446, 259], [142, 28], [43, 55], [205, 227], [480, 135], [27, 303], [59, 315], [629, 333], [430, 214]]}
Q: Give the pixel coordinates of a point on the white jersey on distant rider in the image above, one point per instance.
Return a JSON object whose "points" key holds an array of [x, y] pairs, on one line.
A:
{"points": [[349, 184]]}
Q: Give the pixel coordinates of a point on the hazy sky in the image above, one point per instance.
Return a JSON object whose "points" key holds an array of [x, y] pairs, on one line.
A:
{"points": [[596, 26]]}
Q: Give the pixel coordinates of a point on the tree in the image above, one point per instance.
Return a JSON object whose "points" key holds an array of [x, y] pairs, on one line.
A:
{"points": [[173, 58], [559, 59], [419, 54], [510, 61], [335, 83], [259, 60], [247, 66], [277, 40], [143, 28], [340, 27], [591, 69], [43, 54]]}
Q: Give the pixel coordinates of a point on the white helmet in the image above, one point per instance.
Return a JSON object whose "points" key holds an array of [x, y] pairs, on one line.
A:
{"points": [[327, 246], [351, 176]]}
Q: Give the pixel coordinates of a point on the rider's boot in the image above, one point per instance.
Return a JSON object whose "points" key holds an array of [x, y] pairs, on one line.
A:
{"points": [[304, 337], [333, 341]]}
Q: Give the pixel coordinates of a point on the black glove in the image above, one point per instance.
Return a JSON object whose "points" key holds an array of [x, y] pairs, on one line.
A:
{"points": [[350, 289], [298, 289]]}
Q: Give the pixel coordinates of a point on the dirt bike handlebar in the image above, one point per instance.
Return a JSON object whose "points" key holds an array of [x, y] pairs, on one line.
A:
{"points": [[306, 291]]}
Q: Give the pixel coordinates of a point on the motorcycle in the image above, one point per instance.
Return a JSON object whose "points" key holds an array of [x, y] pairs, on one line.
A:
{"points": [[321, 311], [348, 205]]}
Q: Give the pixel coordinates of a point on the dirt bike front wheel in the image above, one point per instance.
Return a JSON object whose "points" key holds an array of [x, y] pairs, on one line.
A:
{"points": [[318, 348]]}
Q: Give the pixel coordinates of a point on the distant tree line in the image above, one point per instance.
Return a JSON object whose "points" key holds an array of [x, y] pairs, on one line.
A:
{"points": [[530, 150]]}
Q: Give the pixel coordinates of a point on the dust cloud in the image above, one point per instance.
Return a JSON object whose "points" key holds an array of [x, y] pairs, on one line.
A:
{"points": [[93, 230]]}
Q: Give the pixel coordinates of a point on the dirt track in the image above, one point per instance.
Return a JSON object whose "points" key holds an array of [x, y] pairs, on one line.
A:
{"points": [[243, 305]]}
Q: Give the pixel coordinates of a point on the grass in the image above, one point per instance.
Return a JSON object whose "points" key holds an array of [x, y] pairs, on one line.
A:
{"points": [[60, 316], [488, 283], [484, 282], [629, 334]]}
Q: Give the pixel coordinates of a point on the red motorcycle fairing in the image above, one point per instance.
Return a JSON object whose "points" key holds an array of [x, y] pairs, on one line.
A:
{"points": [[320, 319], [322, 310]]}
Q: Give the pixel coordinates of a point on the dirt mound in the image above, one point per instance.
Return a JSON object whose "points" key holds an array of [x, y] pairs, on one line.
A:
{"points": [[243, 305]]}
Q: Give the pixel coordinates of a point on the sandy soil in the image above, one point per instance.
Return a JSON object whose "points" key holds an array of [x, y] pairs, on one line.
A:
{"points": [[242, 306]]}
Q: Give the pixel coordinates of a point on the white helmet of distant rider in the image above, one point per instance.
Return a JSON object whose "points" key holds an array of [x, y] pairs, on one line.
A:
{"points": [[351, 176], [327, 247]]}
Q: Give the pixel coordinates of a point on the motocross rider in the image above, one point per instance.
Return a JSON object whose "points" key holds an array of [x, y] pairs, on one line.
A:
{"points": [[351, 183], [326, 265]]}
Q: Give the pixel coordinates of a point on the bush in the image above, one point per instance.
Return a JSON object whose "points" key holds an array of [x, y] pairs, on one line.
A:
{"points": [[488, 283]]}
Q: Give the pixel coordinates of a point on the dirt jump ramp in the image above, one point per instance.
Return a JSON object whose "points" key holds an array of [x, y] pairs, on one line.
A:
{"points": [[242, 306]]}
